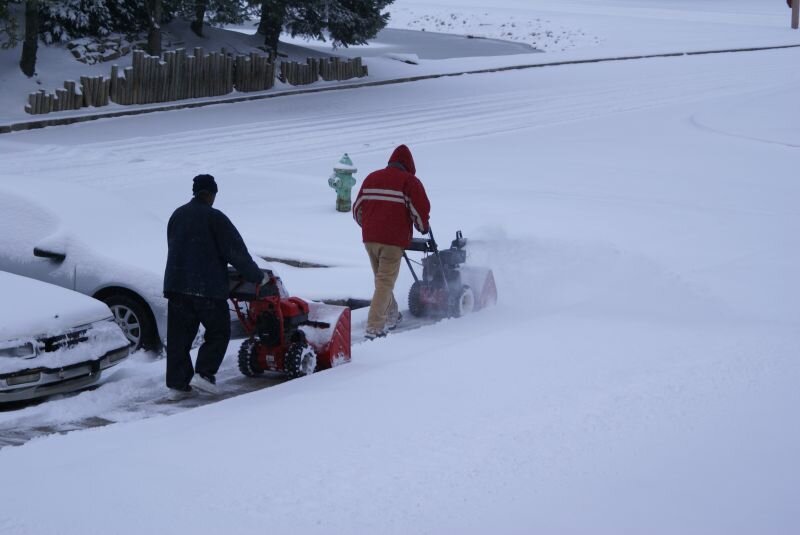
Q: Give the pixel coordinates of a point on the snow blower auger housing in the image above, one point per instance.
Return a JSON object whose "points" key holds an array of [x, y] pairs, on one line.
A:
{"points": [[448, 288], [287, 334]]}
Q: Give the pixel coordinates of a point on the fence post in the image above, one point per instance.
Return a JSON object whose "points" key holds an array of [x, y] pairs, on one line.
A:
{"points": [[106, 90], [199, 63]]}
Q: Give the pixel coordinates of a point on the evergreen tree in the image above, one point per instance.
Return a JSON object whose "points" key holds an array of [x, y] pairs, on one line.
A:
{"points": [[212, 12], [62, 20], [346, 22], [354, 22], [228, 12]]}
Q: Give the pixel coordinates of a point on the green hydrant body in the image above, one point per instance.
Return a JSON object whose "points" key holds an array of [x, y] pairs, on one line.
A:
{"points": [[342, 181]]}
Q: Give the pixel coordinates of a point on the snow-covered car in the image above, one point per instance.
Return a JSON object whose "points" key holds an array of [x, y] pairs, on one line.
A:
{"points": [[90, 242], [53, 340]]}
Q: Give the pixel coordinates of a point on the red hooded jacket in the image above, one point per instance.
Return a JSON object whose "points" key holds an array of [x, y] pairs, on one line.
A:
{"points": [[391, 200]]}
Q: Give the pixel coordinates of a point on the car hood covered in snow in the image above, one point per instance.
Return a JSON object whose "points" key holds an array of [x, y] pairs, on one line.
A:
{"points": [[32, 308]]}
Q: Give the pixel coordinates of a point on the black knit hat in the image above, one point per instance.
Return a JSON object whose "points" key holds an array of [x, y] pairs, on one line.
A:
{"points": [[204, 183]]}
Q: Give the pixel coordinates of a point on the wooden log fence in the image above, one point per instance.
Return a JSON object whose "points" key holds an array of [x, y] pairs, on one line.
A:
{"points": [[254, 73], [95, 91], [336, 69], [150, 79], [330, 69], [294, 73], [178, 76], [65, 99]]}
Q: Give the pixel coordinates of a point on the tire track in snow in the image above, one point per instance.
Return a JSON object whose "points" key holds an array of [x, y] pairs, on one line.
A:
{"points": [[574, 105]]}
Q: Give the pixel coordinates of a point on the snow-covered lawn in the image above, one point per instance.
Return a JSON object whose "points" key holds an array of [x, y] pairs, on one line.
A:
{"points": [[639, 374]]}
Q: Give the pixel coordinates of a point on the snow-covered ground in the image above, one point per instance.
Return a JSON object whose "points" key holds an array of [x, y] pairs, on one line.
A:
{"points": [[639, 374], [607, 25]]}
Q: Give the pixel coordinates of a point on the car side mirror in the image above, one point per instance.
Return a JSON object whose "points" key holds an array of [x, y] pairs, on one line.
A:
{"points": [[52, 255]]}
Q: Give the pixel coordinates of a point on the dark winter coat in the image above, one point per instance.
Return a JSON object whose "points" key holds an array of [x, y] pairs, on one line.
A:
{"points": [[202, 242], [391, 200]]}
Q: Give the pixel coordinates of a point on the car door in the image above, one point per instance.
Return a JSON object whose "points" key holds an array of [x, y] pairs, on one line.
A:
{"points": [[33, 244]]}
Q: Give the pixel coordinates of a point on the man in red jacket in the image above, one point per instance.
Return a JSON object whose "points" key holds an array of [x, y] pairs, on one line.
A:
{"points": [[389, 202]]}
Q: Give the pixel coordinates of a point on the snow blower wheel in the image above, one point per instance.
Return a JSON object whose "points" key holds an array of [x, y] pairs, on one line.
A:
{"points": [[464, 302], [300, 360], [415, 304], [248, 359]]}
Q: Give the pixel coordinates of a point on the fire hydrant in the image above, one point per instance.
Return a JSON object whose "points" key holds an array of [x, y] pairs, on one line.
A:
{"points": [[342, 181]]}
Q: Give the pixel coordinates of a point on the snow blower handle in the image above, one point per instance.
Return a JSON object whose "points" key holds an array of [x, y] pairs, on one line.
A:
{"points": [[438, 258], [426, 246], [433, 240]]}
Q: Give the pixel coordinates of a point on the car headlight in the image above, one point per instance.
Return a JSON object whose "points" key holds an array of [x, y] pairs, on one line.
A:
{"points": [[23, 351]]}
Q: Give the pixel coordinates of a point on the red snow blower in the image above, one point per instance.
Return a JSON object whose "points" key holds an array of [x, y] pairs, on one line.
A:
{"points": [[448, 288], [287, 334]]}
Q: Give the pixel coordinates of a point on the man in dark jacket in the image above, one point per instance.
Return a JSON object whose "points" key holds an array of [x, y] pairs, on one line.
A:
{"points": [[389, 202], [202, 242]]}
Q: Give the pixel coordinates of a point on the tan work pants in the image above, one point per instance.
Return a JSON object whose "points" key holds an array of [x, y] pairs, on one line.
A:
{"points": [[385, 260]]}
